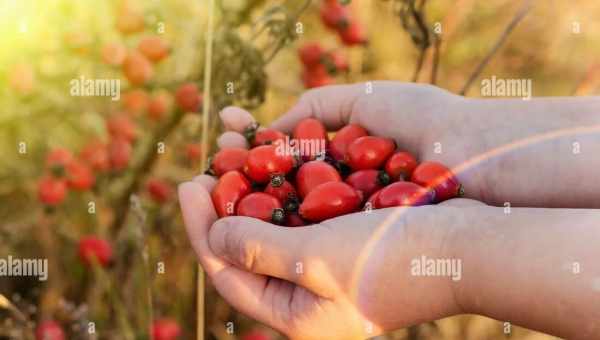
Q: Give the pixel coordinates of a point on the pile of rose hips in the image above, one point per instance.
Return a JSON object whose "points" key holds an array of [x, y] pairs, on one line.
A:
{"points": [[281, 182]]}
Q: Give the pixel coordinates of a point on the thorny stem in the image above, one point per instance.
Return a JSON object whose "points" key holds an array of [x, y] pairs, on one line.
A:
{"points": [[501, 39]]}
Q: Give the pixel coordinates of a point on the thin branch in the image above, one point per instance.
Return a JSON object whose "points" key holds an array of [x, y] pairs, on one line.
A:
{"points": [[501, 39], [418, 65], [437, 41]]}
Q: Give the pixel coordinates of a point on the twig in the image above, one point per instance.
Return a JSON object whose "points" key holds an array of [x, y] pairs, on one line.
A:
{"points": [[282, 40], [418, 65], [204, 144], [501, 39], [437, 41]]}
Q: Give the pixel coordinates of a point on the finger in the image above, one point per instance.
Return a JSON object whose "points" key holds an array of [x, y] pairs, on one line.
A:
{"points": [[198, 215], [232, 139], [461, 202], [236, 119], [243, 290], [207, 181], [259, 247], [332, 105]]}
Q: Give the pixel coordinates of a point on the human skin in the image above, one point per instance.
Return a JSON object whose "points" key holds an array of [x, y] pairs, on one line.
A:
{"points": [[349, 277]]}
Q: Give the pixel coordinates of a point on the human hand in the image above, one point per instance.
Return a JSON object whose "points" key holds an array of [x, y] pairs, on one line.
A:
{"points": [[297, 280]]}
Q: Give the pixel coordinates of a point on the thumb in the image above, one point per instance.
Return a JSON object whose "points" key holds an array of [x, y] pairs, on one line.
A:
{"points": [[260, 247], [332, 105]]}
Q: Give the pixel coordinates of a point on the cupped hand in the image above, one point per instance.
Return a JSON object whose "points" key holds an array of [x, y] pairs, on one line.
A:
{"points": [[346, 277]]}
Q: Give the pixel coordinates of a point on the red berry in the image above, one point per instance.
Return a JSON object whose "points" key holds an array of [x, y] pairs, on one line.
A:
{"points": [[294, 220], [281, 189], [370, 203], [114, 54], [193, 152], [228, 191], [334, 15], [353, 34], [49, 330], [188, 97], [160, 190], [79, 176], [400, 166], [119, 152], [262, 206], [369, 152], [159, 105], [52, 191], [267, 136], [434, 175], [137, 69], [129, 20], [314, 173], [310, 54], [229, 159], [95, 154], [154, 48], [94, 249], [310, 137], [120, 126], [368, 181], [316, 76], [329, 200], [165, 329], [58, 158], [136, 101], [403, 194], [346, 135], [265, 161]]}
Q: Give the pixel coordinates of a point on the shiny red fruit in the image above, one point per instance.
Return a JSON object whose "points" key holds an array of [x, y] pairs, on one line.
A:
{"points": [[280, 189], [370, 203], [403, 194], [52, 191], [79, 176], [119, 152], [49, 330], [228, 191], [314, 173], [265, 161], [334, 15], [368, 181], [95, 154], [346, 135], [94, 249], [229, 159], [436, 176], [353, 34], [188, 97], [310, 137], [262, 206], [329, 200], [165, 329], [369, 152], [310, 54], [160, 190], [400, 166], [294, 220], [267, 136], [120, 126]]}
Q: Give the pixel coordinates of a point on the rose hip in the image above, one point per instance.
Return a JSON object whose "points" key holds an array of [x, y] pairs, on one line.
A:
{"points": [[265, 161], [262, 206], [368, 181], [436, 176], [400, 166], [369, 152], [229, 159], [329, 200], [346, 135], [314, 173], [403, 194], [228, 191]]}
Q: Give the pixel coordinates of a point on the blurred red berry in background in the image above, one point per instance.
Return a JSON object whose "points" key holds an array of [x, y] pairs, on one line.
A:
{"points": [[49, 330], [52, 191], [120, 126], [119, 151], [160, 190], [114, 53], [93, 248], [95, 154], [188, 97], [79, 176], [137, 68], [165, 329], [154, 48]]}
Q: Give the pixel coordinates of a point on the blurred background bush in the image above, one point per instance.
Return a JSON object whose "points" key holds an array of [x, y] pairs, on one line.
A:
{"points": [[89, 183]]}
